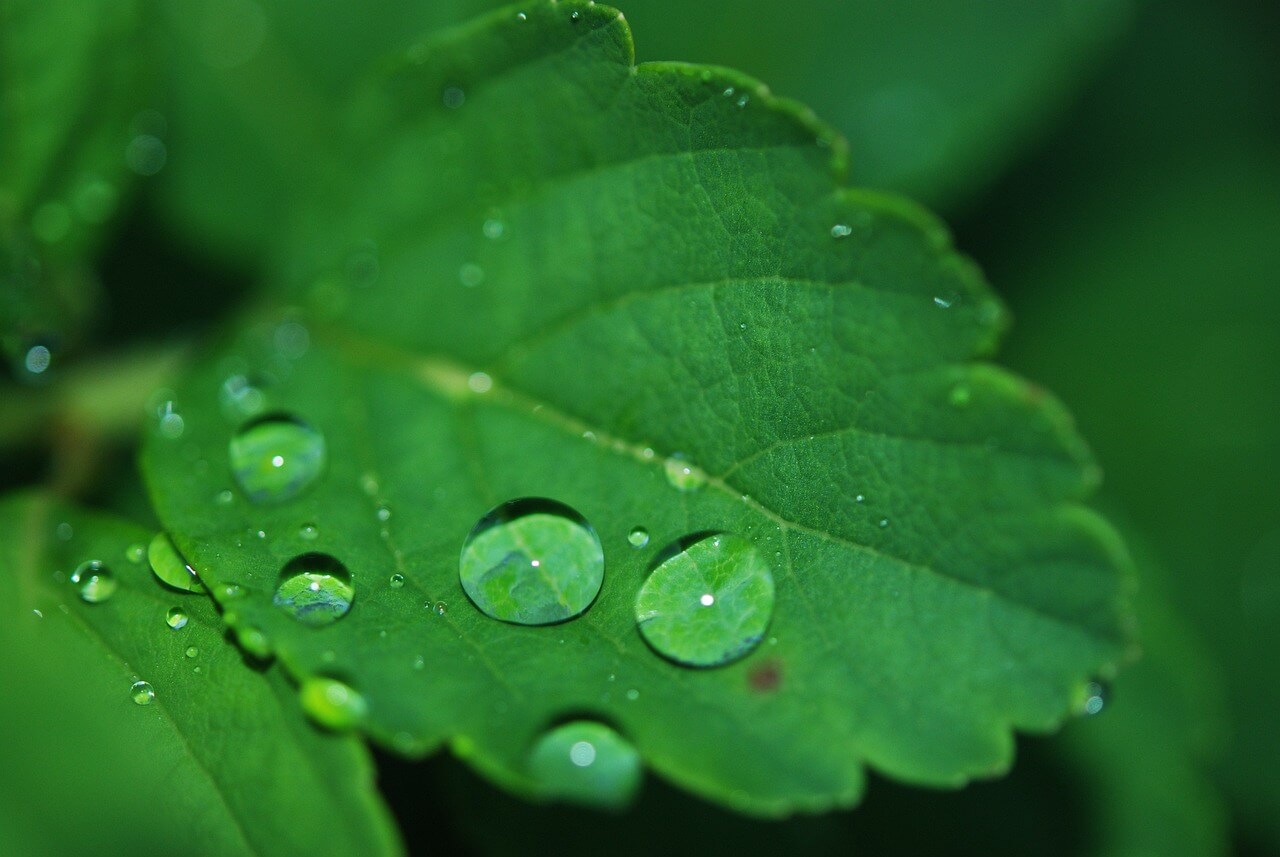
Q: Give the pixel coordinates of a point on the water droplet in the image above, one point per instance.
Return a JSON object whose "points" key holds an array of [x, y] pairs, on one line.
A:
{"points": [[192, 652], [574, 16], [728, 93], [315, 589], [743, 100], [453, 97], [169, 422], [276, 458], [860, 498], [176, 618], [64, 532], [479, 382], [682, 475], [1095, 698], [397, 581], [708, 601], [135, 553], [383, 512], [223, 497], [945, 303], [841, 230], [884, 522], [633, 694], [471, 275], [170, 566], [331, 703], [231, 592], [292, 339], [308, 532], [146, 154], [240, 397], [440, 608], [37, 613], [38, 359], [586, 762], [493, 229], [639, 537], [142, 693], [419, 663], [521, 16], [253, 641], [532, 562], [95, 580]]}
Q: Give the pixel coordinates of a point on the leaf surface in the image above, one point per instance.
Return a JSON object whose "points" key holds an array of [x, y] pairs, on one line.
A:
{"points": [[221, 760], [640, 292]]}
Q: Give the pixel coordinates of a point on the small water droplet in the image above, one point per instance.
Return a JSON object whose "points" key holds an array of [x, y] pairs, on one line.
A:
{"points": [[193, 652], [253, 641], [860, 498], [441, 608], [308, 532], [142, 693], [532, 562], [135, 553], [453, 97], [95, 581], [331, 703], [945, 303], [493, 228], [37, 613], [397, 581], [586, 762], [573, 16], [223, 497], [276, 458], [471, 275], [38, 359], [682, 475], [1095, 698], [638, 537], [291, 339], [170, 567], [64, 532], [521, 16], [383, 512], [633, 694], [419, 663], [708, 602], [176, 618], [884, 522], [841, 230], [728, 93], [479, 382], [240, 397], [169, 423], [146, 154], [743, 100], [315, 589]]}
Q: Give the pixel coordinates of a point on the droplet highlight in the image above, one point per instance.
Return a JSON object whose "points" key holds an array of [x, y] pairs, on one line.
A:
{"points": [[708, 601], [532, 562]]}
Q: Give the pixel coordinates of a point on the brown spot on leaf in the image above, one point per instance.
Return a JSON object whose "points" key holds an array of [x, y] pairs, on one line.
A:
{"points": [[765, 677]]}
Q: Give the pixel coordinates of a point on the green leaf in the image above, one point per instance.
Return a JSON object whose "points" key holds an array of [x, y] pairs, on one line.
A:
{"points": [[73, 80], [681, 324], [220, 759]]}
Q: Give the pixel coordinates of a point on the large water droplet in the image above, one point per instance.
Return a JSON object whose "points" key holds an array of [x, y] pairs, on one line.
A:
{"points": [[95, 580], [315, 589], [586, 762], [276, 458], [331, 703], [708, 602], [176, 618], [168, 565], [142, 692], [532, 562]]}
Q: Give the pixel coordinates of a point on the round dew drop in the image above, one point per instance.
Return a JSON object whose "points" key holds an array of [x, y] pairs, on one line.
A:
{"points": [[176, 618], [331, 703], [276, 458], [638, 537], [315, 589], [95, 581], [708, 603], [532, 562], [586, 762], [682, 475], [142, 693], [397, 581]]}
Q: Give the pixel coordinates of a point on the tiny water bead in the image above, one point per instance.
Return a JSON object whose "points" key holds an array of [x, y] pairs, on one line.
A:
{"points": [[638, 537], [95, 581], [682, 475], [176, 618], [169, 566], [192, 652], [532, 562], [240, 397], [586, 762], [331, 703], [315, 589], [276, 458], [142, 693], [135, 553], [708, 602], [397, 581], [1095, 698], [308, 532], [841, 230]]}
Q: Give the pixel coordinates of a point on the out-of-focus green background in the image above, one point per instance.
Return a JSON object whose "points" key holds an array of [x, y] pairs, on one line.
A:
{"points": [[1114, 167]]}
